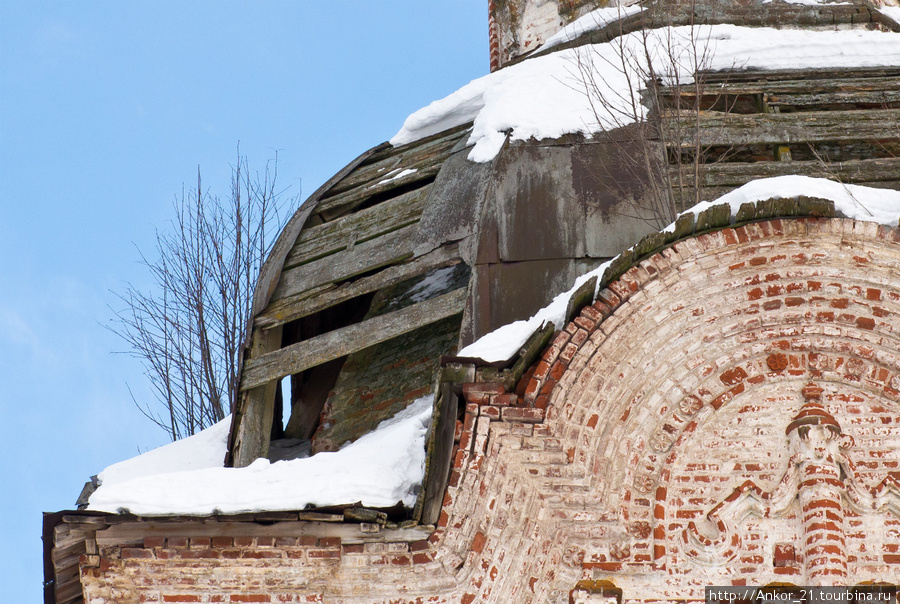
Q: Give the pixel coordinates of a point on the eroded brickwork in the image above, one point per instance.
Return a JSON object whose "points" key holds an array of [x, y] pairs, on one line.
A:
{"points": [[654, 449]]}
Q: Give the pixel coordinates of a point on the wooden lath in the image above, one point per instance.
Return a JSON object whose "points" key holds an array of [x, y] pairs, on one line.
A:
{"points": [[319, 298], [392, 248], [856, 171], [414, 155], [418, 162], [346, 340], [331, 237], [734, 130]]}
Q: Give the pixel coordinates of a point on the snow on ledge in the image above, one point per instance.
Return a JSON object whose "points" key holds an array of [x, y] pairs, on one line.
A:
{"points": [[851, 201], [380, 469], [543, 97], [891, 12], [591, 21]]}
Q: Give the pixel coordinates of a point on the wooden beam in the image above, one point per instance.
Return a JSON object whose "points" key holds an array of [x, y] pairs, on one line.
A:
{"points": [[252, 423], [268, 368], [438, 454], [853, 171], [134, 532], [340, 204], [414, 155], [388, 249], [331, 237], [770, 128], [311, 301]]}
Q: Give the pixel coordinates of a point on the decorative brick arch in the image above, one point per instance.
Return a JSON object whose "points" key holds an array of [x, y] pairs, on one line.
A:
{"points": [[724, 330]]}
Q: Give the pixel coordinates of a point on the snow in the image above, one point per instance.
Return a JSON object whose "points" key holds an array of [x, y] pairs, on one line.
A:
{"points": [[203, 450], [592, 21], [380, 469], [891, 12], [542, 97], [395, 177], [433, 284], [852, 201]]}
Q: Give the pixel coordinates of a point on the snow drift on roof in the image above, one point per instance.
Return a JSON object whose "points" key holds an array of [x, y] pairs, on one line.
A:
{"points": [[852, 201], [380, 469], [542, 97]]}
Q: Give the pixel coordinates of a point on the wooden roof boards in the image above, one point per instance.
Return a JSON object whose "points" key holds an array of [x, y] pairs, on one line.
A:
{"points": [[358, 238]]}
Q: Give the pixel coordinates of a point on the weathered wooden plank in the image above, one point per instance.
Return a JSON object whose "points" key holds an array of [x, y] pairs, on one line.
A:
{"points": [[762, 84], [855, 171], [69, 591], [348, 532], [825, 73], [251, 428], [439, 452], [414, 155], [309, 353], [271, 268], [73, 550], [875, 98], [769, 128], [340, 204], [388, 249], [330, 237], [287, 309]]}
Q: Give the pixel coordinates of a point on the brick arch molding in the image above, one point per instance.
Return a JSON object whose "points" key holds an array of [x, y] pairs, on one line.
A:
{"points": [[670, 393]]}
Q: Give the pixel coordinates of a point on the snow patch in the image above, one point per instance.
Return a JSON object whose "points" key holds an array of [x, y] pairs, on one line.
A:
{"points": [[433, 284], [380, 469], [395, 177], [592, 21], [543, 97], [891, 12]]}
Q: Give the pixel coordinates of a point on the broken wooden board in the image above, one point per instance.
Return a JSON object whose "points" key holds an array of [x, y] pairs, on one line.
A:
{"points": [[337, 206], [330, 237], [298, 357], [287, 309], [390, 162], [370, 255]]}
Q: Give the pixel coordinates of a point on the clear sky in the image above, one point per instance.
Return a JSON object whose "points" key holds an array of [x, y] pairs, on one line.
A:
{"points": [[106, 109]]}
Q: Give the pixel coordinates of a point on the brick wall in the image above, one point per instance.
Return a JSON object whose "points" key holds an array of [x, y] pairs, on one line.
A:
{"points": [[648, 454]]}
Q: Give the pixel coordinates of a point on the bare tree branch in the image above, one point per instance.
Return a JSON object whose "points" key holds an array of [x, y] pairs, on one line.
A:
{"points": [[187, 331]]}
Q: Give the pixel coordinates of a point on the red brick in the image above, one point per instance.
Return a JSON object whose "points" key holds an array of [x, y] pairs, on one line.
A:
{"points": [[523, 415], [136, 552], [483, 388], [150, 542]]}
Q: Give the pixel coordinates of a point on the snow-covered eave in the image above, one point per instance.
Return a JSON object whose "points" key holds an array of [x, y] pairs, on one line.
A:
{"points": [[763, 199]]}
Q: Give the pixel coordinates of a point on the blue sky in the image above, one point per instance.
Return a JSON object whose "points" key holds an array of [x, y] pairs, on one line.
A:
{"points": [[106, 108]]}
